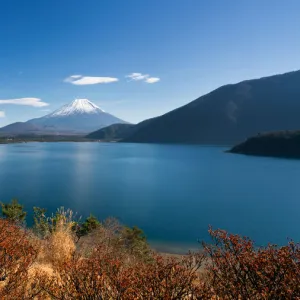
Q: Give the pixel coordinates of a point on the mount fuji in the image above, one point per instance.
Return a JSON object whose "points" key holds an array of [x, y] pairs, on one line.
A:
{"points": [[81, 116]]}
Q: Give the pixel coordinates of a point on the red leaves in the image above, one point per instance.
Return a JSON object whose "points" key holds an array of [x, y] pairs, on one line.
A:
{"points": [[234, 269], [103, 276], [16, 256], [169, 278], [239, 271]]}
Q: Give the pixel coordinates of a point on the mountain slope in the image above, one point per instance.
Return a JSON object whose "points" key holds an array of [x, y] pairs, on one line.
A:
{"points": [[112, 132], [81, 116], [16, 128], [229, 114]]}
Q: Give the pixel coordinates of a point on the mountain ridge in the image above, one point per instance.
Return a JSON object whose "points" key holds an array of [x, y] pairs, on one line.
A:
{"points": [[229, 114]]}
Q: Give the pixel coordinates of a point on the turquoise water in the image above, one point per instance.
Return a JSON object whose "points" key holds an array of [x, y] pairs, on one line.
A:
{"points": [[173, 192]]}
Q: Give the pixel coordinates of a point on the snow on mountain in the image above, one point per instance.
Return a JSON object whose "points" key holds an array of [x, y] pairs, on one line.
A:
{"points": [[78, 106], [81, 116]]}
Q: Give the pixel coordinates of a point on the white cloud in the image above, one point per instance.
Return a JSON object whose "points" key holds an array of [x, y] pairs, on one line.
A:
{"points": [[35, 102], [137, 76], [152, 79], [84, 80], [75, 76], [142, 77], [2, 114]]}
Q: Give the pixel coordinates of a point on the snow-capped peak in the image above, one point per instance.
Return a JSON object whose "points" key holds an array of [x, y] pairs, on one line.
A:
{"points": [[78, 106]]}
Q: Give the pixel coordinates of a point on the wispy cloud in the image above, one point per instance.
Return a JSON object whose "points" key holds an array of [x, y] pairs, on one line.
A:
{"points": [[2, 114], [142, 77], [85, 80], [137, 76], [152, 80], [35, 102]]}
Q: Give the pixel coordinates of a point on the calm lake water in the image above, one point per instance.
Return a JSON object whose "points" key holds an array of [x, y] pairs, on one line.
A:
{"points": [[172, 192]]}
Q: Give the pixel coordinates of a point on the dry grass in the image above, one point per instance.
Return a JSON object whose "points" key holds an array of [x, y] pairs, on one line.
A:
{"points": [[58, 248], [102, 266], [50, 255]]}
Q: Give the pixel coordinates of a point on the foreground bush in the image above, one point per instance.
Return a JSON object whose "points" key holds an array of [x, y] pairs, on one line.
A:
{"points": [[110, 261], [239, 271], [18, 252], [106, 277]]}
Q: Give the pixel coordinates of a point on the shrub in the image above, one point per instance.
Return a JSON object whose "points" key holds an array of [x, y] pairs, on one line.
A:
{"points": [[96, 277], [102, 276], [170, 278], [239, 271], [115, 262], [17, 254]]}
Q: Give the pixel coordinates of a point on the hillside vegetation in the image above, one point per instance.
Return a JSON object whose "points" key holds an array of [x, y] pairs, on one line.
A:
{"points": [[60, 258], [277, 144], [112, 132]]}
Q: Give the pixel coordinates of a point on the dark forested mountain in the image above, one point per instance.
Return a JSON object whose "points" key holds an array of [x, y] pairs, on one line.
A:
{"points": [[278, 144], [229, 114], [81, 116], [112, 132]]}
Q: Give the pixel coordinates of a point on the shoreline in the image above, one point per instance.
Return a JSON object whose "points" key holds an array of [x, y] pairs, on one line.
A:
{"points": [[174, 248]]}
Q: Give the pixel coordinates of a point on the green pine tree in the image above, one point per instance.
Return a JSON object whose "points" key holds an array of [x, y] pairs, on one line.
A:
{"points": [[135, 241], [91, 223], [13, 211]]}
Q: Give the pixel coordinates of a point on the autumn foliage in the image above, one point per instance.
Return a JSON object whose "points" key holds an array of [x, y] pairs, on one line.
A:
{"points": [[112, 262], [17, 254], [239, 271]]}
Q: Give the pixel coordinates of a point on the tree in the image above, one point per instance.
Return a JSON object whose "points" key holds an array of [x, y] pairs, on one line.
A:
{"points": [[91, 223], [45, 226], [135, 241], [13, 211], [41, 224]]}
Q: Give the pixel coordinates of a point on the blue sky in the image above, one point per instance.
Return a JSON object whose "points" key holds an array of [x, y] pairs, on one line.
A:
{"points": [[181, 49]]}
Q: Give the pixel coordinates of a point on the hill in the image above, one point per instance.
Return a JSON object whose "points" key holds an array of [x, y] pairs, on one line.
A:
{"points": [[277, 144], [112, 132], [229, 114]]}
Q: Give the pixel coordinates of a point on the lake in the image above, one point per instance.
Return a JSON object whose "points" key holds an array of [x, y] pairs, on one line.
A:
{"points": [[172, 192]]}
